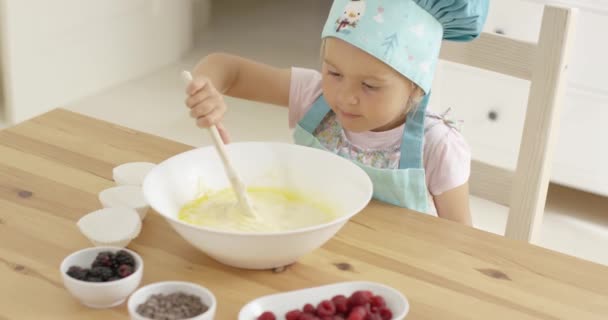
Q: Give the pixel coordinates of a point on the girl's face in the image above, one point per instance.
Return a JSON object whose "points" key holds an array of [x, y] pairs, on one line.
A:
{"points": [[364, 93]]}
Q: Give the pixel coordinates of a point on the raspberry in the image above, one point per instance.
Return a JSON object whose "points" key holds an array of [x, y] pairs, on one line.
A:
{"points": [[378, 302], [357, 313], [293, 314], [386, 313], [361, 305], [267, 316], [326, 308], [123, 257], [373, 316], [309, 308], [77, 272], [125, 270], [103, 259], [360, 298], [341, 303]]}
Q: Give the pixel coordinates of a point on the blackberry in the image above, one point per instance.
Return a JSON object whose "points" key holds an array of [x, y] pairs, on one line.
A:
{"points": [[123, 257], [77, 272], [104, 273], [93, 279], [125, 270], [104, 259]]}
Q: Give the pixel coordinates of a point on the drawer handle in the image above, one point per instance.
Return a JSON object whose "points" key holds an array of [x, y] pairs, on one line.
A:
{"points": [[493, 115]]}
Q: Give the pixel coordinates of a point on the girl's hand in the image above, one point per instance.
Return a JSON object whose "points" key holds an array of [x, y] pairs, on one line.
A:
{"points": [[206, 105]]}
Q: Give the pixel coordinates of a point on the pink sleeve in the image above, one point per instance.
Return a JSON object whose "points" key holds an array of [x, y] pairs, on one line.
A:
{"points": [[447, 158], [304, 89]]}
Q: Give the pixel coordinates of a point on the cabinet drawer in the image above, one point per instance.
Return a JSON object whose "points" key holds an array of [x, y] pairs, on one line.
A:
{"points": [[581, 155], [522, 20], [492, 107], [515, 19], [588, 65]]}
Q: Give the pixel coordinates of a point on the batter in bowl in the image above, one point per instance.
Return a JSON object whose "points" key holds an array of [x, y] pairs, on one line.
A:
{"points": [[277, 210]]}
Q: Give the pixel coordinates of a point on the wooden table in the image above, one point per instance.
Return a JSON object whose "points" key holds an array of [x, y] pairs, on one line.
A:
{"points": [[53, 166]]}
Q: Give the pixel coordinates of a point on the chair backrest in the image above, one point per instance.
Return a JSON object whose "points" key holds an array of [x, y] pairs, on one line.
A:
{"points": [[544, 65]]}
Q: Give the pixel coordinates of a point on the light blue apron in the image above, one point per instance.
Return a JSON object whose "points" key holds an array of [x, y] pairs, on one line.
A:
{"points": [[404, 187]]}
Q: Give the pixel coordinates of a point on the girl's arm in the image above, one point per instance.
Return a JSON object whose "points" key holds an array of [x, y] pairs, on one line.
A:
{"points": [[243, 78], [454, 205]]}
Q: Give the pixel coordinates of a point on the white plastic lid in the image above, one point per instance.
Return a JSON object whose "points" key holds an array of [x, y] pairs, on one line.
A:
{"points": [[132, 173], [110, 225], [123, 196]]}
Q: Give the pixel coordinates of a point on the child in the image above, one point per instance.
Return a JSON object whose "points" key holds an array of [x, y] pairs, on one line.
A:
{"points": [[369, 102]]}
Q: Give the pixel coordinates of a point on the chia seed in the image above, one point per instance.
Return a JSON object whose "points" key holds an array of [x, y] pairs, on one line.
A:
{"points": [[174, 306]]}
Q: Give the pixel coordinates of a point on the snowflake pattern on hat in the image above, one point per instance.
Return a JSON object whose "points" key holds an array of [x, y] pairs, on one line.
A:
{"points": [[406, 34]]}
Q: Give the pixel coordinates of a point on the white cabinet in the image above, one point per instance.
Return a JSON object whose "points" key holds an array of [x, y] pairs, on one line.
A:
{"points": [[55, 52], [493, 106]]}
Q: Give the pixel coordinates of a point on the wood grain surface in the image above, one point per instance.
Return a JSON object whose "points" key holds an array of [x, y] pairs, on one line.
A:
{"points": [[53, 166]]}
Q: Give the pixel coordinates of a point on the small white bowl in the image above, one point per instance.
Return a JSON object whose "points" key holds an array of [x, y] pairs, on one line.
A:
{"points": [[125, 196], [100, 294], [111, 227], [131, 173], [167, 287]]}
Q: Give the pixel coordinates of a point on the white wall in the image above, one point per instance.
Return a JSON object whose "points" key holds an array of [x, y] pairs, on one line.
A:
{"points": [[2, 68], [201, 16], [62, 50]]}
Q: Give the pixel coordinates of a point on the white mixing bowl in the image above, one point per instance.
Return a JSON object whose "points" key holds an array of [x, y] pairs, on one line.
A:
{"points": [[335, 181]]}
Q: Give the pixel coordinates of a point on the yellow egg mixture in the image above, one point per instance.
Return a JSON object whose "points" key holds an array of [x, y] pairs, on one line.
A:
{"points": [[276, 210]]}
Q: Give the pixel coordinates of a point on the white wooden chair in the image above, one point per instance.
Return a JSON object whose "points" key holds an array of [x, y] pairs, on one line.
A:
{"points": [[544, 65]]}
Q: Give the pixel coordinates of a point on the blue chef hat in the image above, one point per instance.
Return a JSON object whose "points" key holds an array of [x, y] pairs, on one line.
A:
{"points": [[406, 34]]}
